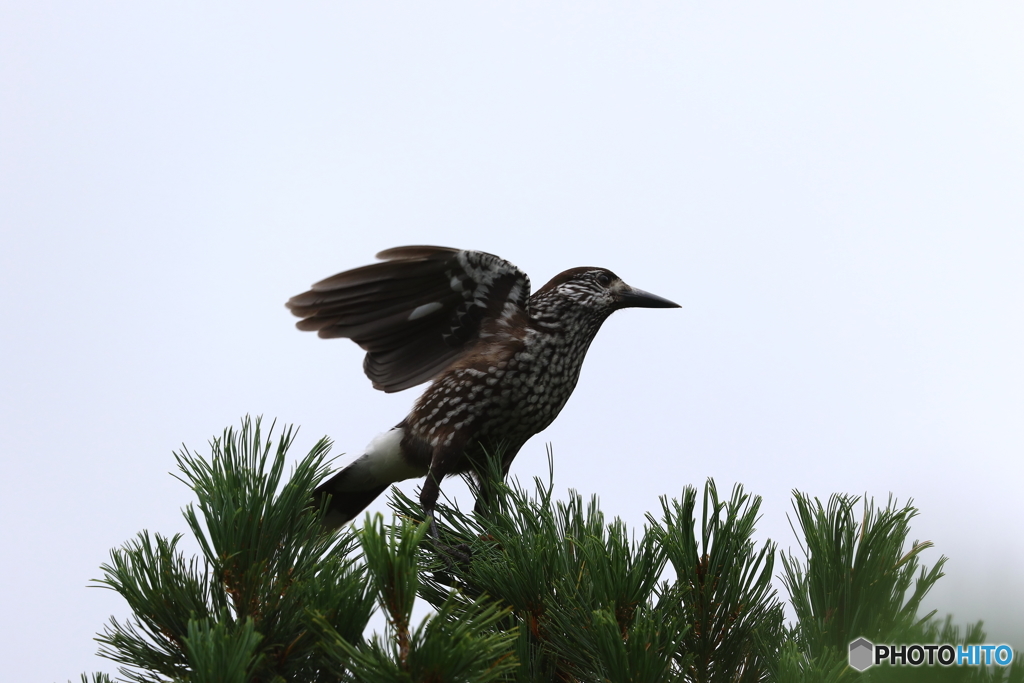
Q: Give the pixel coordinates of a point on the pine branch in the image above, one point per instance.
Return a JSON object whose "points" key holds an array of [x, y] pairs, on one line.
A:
{"points": [[855, 578], [723, 585], [524, 588], [264, 560]]}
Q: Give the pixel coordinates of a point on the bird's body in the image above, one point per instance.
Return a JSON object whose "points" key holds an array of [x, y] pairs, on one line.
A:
{"points": [[503, 362]]}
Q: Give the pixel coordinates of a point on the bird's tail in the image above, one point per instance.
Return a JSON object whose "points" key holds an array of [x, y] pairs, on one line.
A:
{"points": [[356, 486], [344, 505]]}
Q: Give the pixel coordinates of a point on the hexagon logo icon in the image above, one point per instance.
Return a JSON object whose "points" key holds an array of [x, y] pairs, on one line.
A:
{"points": [[861, 651]]}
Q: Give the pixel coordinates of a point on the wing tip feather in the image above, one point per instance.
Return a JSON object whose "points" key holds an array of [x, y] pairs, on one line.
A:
{"points": [[414, 251]]}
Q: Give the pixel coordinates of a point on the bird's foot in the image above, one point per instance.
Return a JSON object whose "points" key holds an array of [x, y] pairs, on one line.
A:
{"points": [[453, 556]]}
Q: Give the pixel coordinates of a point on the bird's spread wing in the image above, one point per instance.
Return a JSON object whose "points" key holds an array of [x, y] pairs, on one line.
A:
{"points": [[415, 312]]}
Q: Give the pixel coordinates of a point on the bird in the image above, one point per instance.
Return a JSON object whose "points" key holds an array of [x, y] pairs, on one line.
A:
{"points": [[502, 362]]}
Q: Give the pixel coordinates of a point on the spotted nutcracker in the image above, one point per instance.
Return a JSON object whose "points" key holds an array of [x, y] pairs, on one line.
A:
{"points": [[503, 362]]}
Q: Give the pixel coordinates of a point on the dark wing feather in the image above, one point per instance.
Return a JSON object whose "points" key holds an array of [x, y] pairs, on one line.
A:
{"points": [[416, 312]]}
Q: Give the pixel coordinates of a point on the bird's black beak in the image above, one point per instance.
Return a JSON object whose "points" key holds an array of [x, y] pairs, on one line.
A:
{"points": [[631, 297]]}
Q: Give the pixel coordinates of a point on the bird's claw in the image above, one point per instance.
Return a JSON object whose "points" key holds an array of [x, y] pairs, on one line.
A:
{"points": [[452, 556]]}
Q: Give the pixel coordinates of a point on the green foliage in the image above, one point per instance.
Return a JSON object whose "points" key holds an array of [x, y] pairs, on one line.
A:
{"points": [[459, 643], [238, 612], [589, 603], [857, 580], [526, 588], [222, 651], [723, 585], [272, 597], [856, 577]]}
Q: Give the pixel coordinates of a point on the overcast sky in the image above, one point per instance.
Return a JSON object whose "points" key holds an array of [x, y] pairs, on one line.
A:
{"points": [[835, 195]]}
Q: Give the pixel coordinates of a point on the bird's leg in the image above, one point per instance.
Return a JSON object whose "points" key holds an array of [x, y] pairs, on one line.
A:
{"points": [[428, 501]]}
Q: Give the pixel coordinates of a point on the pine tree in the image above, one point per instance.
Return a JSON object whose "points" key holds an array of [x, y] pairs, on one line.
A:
{"points": [[526, 588]]}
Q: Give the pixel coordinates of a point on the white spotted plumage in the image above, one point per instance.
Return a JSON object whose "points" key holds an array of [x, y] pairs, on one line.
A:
{"points": [[503, 362]]}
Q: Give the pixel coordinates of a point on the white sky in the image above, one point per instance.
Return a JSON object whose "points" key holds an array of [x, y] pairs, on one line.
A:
{"points": [[834, 194]]}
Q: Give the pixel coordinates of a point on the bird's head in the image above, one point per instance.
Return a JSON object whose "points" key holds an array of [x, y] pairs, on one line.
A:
{"points": [[601, 289]]}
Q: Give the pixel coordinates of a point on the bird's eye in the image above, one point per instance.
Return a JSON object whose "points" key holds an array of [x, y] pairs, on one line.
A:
{"points": [[604, 279]]}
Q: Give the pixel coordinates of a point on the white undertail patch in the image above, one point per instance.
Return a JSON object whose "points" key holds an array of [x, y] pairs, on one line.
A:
{"points": [[382, 463]]}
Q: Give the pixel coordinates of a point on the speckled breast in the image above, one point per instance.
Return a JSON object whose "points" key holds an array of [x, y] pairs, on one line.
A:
{"points": [[501, 401]]}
